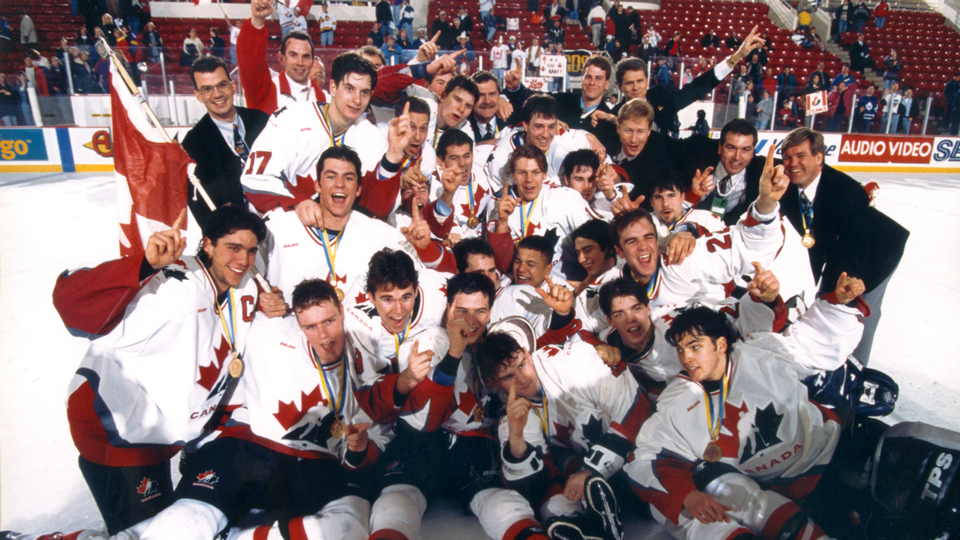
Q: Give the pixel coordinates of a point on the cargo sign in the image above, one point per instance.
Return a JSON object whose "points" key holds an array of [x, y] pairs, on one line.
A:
{"points": [[877, 149], [22, 145]]}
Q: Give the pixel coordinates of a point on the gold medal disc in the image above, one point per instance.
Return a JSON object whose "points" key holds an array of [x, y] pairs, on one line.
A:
{"points": [[479, 414], [340, 293], [713, 453], [807, 240], [337, 429], [473, 221], [236, 367]]}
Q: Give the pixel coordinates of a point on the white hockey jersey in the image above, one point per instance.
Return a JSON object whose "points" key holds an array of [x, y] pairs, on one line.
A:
{"points": [[160, 372], [771, 431], [288, 406], [295, 252], [474, 199], [282, 166], [585, 407], [562, 144]]}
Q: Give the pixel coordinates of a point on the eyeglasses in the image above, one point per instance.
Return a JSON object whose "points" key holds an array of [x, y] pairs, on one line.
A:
{"points": [[207, 91]]}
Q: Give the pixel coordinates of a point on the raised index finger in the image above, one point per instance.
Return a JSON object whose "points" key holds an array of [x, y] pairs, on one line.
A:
{"points": [[458, 53], [513, 393], [771, 155], [437, 36], [406, 109], [181, 219]]}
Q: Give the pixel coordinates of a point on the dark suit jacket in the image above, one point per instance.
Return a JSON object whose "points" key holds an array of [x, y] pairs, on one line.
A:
{"points": [[218, 168], [477, 137], [684, 155], [666, 103], [850, 236], [752, 175], [571, 112]]}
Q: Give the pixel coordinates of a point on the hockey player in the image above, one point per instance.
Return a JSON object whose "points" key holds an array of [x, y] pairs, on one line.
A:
{"points": [[763, 439], [666, 199], [337, 250], [167, 337], [463, 191], [457, 455], [541, 129], [300, 428], [282, 165], [599, 185], [717, 259], [598, 258], [262, 88], [564, 405], [476, 255], [455, 108], [533, 208]]}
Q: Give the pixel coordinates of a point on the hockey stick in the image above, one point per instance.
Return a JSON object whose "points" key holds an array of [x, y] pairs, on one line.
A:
{"points": [[106, 52]]}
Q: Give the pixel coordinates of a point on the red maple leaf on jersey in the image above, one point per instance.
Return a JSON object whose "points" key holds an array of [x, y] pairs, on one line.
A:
{"points": [[144, 486], [551, 350], [532, 228], [361, 298], [303, 188], [467, 402], [288, 414], [562, 433], [730, 444], [210, 373]]}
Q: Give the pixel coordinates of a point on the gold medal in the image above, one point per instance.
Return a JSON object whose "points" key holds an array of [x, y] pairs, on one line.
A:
{"points": [[713, 453], [236, 367], [807, 240], [473, 221], [479, 414], [337, 429], [340, 293]]}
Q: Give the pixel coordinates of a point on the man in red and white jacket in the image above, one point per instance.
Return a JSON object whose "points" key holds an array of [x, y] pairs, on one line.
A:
{"points": [[262, 87]]}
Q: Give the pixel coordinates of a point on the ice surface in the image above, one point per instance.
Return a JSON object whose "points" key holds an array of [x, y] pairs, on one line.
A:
{"points": [[51, 222]]}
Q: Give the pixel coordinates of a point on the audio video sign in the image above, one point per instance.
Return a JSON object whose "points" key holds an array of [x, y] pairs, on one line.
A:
{"points": [[22, 145], [878, 149]]}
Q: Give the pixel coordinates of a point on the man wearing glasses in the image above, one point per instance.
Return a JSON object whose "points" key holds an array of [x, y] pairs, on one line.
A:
{"points": [[221, 140]]}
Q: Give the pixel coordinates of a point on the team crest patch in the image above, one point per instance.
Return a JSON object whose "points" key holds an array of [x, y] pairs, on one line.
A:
{"points": [[207, 479], [395, 467], [148, 489]]}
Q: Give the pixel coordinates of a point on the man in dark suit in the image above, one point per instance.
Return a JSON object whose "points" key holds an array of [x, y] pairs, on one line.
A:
{"points": [[736, 175], [220, 142], [633, 83], [577, 108], [485, 121], [842, 232]]}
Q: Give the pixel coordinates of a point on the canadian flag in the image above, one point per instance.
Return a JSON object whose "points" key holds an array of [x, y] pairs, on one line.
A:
{"points": [[151, 174]]}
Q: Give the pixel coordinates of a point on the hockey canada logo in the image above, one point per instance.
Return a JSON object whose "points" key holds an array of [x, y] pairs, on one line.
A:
{"points": [[148, 489], [207, 479]]}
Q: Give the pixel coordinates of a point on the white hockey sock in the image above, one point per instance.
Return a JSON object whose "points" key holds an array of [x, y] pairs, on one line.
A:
{"points": [[499, 510], [398, 509], [186, 519]]}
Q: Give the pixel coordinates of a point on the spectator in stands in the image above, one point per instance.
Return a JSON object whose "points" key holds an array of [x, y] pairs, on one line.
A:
{"points": [[844, 76], [803, 20], [672, 47], [860, 15], [421, 38], [842, 16], [81, 72], [152, 43], [613, 49], [733, 41], [9, 102], [403, 41], [890, 121], [107, 27], [596, 18], [554, 10], [534, 53], [636, 27], [768, 82], [710, 39], [384, 13], [499, 56], [84, 42], [860, 55], [133, 15], [466, 21], [28, 31], [192, 46], [816, 84], [836, 102], [485, 7], [391, 51], [447, 34], [328, 25], [755, 68], [786, 81], [881, 12], [6, 36], [738, 83], [786, 118], [892, 73], [216, 46], [824, 77], [57, 78], [764, 112], [376, 34], [952, 94], [26, 113], [909, 109], [867, 107], [701, 127], [750, 114], [662, 76], [556, 32], [407, 14]]}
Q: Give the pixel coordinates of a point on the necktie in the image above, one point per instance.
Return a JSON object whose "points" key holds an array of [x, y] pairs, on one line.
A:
{"points": [[239, 145], [724, 187], [805, 205]]}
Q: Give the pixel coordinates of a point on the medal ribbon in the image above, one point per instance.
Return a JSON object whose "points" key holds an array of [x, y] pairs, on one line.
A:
{"points": [[545, 417], [398, 340], [326, 122], [472, 203], [807, 222], [525, 219], [708, 406], [331, 253], [229, 331], [335, 404], [653, 283]]}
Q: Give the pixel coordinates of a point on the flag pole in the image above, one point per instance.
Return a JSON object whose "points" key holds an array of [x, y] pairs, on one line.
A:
{"points": [[106, 52]]}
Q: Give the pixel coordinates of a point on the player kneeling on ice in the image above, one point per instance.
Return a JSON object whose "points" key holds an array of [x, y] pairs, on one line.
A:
{"points": [[570, 426], [736, 450]]}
